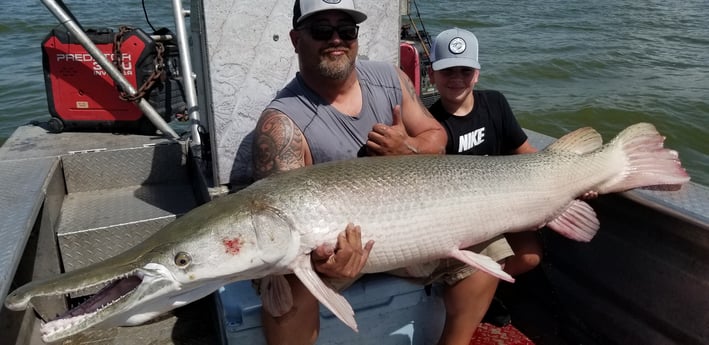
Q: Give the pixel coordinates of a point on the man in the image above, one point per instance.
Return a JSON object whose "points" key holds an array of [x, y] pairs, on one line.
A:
{"points": [[479, 123], [335, 108]]}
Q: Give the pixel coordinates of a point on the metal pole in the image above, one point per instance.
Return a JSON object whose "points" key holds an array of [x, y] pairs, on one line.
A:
{"points": [[71, 25], [186, 64]]}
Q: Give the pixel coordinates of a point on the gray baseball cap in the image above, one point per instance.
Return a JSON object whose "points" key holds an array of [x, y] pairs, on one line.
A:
{"points": [[306, 8], [455, 48]]}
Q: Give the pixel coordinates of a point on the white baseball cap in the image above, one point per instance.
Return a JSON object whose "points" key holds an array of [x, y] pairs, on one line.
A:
{"points": [[455, 48], [306, 8]]}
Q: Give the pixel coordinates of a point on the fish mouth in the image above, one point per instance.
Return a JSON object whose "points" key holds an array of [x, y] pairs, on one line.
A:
{"points": [[90, 310], [128, 297]]}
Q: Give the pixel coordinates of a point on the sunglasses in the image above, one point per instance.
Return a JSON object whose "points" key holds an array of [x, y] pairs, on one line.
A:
{"points": [[322, 32]]}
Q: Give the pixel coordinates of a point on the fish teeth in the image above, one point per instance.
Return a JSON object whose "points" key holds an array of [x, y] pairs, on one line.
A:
{"points": [[48, 329], [102, 283]]}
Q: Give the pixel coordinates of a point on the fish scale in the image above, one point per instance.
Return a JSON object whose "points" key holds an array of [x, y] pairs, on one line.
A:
{"points": [[397, 214]]}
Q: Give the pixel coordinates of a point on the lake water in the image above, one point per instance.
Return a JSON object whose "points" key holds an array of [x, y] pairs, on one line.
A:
{"points": [[562, 64]]}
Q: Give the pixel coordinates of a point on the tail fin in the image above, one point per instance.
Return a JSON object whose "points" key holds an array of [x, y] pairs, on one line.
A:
{"points": [[647, 163]]}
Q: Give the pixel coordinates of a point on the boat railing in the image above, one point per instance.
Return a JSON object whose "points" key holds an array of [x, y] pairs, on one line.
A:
{"points": [[186, 64]]}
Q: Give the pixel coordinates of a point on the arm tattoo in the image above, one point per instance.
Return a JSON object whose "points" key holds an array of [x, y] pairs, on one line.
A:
{"points": [[412, 92], [277, 146], [408, 85]]}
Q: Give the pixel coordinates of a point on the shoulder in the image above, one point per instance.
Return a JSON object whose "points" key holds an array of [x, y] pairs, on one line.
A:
{"points": [[271, 119], [376, 69], [491, 95], [492, 99], [277, 145], [372, 64], [294, 88]]}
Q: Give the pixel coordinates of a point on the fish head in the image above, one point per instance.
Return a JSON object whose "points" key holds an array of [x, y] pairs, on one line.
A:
{"points": [[217, 243], [249, 241]]}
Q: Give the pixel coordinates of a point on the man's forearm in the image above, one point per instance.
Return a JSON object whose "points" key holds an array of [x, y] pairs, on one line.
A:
{"points": [[432, 141]]}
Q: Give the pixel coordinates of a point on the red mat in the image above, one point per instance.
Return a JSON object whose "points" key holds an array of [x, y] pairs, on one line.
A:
{"points": [[487, 334]]}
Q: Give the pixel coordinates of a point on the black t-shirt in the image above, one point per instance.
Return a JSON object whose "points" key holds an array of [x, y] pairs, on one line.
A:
{"points": [[489, 129]]}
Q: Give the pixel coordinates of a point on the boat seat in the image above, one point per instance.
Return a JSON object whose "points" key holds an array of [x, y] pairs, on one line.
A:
{"points": [[388, 310], [410, 64]]}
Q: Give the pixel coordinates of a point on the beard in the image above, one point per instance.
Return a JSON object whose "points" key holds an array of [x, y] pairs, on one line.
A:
{"points": [[338, 68]]}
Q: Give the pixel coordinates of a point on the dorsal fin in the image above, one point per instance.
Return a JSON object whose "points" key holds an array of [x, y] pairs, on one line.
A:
{"points": [[580, 141]]}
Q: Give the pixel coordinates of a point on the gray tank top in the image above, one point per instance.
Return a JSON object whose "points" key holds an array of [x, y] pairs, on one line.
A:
{"points": [[330, 134]]}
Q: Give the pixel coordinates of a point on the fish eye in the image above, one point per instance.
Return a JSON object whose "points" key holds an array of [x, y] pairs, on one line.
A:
{"points": [[182, 259]]}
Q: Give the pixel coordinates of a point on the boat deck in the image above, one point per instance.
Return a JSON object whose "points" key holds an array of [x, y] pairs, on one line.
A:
{"points": [[72, 199]]}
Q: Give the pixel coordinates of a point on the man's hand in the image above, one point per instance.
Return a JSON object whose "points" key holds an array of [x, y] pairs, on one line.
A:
{"points": [[348, 257], [386, 140], [590, 195]]}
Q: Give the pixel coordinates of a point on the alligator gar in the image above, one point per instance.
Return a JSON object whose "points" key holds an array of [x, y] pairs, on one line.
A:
{"points": [[416, 208]]}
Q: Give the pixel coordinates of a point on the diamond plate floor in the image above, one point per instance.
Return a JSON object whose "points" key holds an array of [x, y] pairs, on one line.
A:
{"points": [[96, 225]]}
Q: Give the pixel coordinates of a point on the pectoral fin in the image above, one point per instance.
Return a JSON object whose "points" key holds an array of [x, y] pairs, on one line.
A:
{"points": [[481, 262], [337, 304], [578, 222], [276, 296]]}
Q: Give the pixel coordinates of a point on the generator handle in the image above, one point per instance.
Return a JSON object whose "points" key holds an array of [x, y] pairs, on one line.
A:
{"points": [[72, 25]]}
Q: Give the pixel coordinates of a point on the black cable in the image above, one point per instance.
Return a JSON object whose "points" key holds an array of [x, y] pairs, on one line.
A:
{"points": [[427, 37], [145, 12]]}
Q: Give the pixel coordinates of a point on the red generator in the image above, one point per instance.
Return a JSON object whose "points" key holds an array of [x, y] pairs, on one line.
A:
{"points": [[82, 96]]}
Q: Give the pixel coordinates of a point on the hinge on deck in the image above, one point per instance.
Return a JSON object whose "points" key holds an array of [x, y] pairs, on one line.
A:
{"points": [[159, 143], [87, 151]]}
